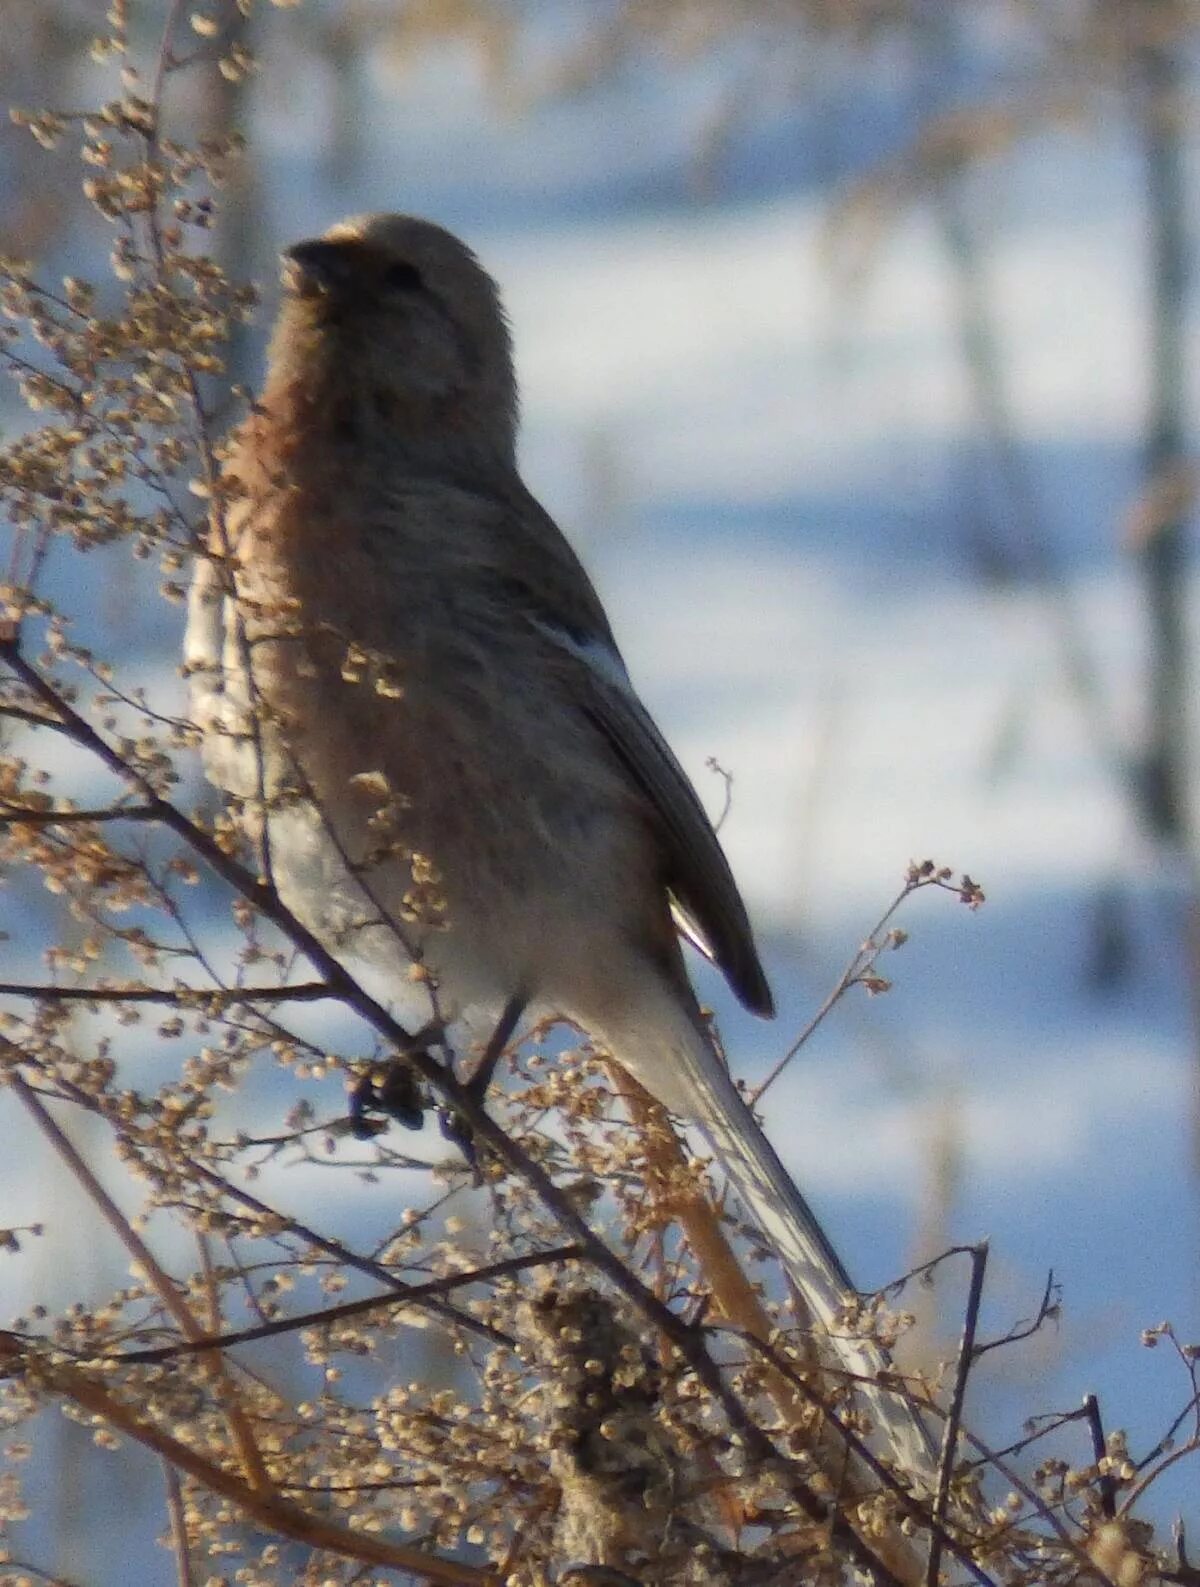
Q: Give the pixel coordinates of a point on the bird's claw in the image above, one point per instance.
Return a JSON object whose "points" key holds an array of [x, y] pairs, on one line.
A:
{"points": [[395, 1092]]}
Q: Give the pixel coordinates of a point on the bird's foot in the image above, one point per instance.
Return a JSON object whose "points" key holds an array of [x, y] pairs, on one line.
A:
{"points": [[394, 1091]]}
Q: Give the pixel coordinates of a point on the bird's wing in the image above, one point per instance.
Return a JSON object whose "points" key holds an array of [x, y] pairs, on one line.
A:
{"points": [[706, 900], [544, 579]]}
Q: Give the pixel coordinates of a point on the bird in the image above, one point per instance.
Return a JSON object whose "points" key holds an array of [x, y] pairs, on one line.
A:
{"points": [[410, 691]]}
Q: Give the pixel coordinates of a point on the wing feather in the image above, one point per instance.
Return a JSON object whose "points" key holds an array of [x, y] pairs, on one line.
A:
{"points": [[704, 893]]}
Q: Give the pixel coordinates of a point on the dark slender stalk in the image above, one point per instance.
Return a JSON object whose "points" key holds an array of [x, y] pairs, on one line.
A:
{"points": [[353, 1308], [966, 1356], [1108, 1491], [183, 997], [14, 816], [203, 999], [915, 1511]]}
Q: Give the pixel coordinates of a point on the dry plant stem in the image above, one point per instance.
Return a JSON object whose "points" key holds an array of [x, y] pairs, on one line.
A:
{"points": [[860, 963], [23, 1567], [737, 1297], [914, 1510], [263, 898], [268, 1509], [178, 1520], [333, 1248], [354, 1308], [164, 1287], [733, 1292], [1017, 1483], [729, 1286], [342, 1253], [1108, 1496], [487, 1134], [1019, 1446], [211, 1287], [691, 1209], [206, 999], [1184, 1452], [962, 1372], [15, 816], [1158, 1459], [209, 467], [162, 66]]}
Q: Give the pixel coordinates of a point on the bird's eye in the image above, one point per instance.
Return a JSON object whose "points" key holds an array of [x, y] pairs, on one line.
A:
{"points": [[403, 277]]}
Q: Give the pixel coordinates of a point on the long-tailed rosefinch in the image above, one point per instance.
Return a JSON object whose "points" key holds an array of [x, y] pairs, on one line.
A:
{"points": [[405, 673]]}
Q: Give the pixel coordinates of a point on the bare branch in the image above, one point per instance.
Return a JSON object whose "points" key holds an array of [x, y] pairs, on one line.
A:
{"points": [[207, 999], [966, 1357], [354, 1308]]}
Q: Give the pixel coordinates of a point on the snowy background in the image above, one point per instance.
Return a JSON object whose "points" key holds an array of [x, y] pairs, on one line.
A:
{"points": [[775, 469]]}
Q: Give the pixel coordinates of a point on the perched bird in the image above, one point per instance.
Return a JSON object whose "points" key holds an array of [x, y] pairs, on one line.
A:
{"points": [[402, 669]]}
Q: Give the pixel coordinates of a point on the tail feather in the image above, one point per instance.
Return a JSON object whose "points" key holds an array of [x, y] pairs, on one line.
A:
{"points": [[790, 1227]]}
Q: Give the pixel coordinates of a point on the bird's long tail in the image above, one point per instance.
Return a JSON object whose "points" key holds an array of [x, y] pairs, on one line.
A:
{"points": [[706, 1094]]}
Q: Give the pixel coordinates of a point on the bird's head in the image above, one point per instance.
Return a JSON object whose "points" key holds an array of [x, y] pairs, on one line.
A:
{"points": [[395, 318]]}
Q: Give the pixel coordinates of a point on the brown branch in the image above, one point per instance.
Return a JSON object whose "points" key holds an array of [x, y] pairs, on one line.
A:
{"points": [[264, 898], [267, 1509], [284, 1225], [177, 1516], [163, 1284], [19, 713]]}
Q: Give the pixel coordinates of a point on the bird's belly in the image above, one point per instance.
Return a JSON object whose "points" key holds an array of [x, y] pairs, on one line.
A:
{"points": [[467, 850], [454, 856]]}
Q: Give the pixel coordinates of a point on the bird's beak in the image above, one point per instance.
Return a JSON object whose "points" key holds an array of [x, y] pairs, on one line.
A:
{"points": [[318, 267]]}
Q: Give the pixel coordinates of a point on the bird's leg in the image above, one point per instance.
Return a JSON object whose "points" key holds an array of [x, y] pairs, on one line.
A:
{"points": [[480, 1082], [454, 1126], [392, 1089]]}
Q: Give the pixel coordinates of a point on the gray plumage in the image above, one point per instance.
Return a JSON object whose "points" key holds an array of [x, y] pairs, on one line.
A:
{"points": [[457, 769]]}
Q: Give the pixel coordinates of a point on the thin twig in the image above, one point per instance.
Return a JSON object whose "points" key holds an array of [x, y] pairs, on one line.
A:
{"points": [[1018, 1447], [164, 1285], [353, 1308], [919, 877], [268, 1509], [179, 1532], [206, 1000], [966, 1358], [916, 1511], [1108, 1488], [16, 815], [1048, 1307]]}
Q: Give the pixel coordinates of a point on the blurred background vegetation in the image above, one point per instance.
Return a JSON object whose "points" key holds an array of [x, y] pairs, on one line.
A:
{"points": [[939, 152]]}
